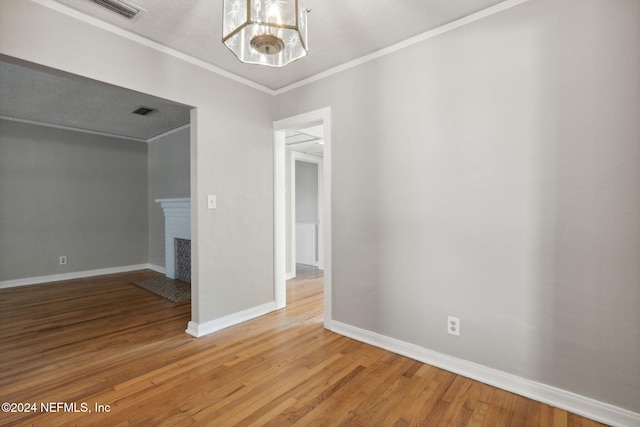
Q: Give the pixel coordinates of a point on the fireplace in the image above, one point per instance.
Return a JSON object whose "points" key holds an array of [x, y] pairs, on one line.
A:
{"points": [[177, 238], [183, 259]]}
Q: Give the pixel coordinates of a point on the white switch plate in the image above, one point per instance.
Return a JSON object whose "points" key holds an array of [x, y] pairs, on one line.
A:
{"points": [[211, 201]]}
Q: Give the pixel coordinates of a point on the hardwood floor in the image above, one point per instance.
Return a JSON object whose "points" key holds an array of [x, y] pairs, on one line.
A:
{"points": [[104, 341]]}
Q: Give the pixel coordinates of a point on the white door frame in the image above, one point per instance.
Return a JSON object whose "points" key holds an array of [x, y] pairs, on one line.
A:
{"points": [[297, 156], [313, 118]]}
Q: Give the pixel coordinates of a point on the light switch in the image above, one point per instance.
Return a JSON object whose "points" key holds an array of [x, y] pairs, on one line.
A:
{"points": [[211, 201]]}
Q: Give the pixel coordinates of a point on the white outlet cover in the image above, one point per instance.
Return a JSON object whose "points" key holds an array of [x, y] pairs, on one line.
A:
{"points": [[453, 325]]}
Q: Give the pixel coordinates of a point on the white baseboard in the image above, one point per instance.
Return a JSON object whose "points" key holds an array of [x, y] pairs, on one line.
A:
{"points": [[75, 275], [572, 402], [290, 276], [156, 268], [201, 329]]}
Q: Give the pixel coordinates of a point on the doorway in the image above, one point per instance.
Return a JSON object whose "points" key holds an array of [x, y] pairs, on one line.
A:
{"points": [[305, 237], [305, 128], [105, 134]]}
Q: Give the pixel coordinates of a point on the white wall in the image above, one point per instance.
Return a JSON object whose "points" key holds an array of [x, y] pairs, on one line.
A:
{"points": [[493, 173], [233, 254]]}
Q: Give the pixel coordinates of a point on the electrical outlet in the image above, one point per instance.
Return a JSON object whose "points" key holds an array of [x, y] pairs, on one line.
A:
{"points": [[63, 260], [453, 325]]}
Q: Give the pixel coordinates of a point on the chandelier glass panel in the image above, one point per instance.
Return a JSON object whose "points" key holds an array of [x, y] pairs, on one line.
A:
{"points": [[266, 32]]}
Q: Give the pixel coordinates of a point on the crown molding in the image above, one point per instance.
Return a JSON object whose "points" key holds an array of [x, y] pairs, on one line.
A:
{"points": [[73, 129], [500, 7], [169, 132], [93, 132], [66, 10]]}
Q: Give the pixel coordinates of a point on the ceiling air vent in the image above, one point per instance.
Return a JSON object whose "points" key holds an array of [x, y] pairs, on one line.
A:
{"points": [[119, 7], [143, 111]]}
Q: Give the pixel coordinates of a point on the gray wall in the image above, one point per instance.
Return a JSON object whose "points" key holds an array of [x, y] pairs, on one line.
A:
{"points": [[169, 177], [306, 192], [69, 193], [232, 124], [493, 173]]}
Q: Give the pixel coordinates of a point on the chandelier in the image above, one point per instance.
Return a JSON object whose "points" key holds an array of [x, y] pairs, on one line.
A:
{"points": [[265, 32]]}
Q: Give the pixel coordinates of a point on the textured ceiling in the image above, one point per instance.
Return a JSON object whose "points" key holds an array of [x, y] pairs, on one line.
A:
{"points": [[340, 31], [44, 96]]}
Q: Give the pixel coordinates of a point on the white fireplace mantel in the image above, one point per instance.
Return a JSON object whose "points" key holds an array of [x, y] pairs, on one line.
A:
{"points": [[177, 225]]}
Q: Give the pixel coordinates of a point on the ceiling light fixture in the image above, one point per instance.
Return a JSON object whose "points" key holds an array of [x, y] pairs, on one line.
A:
{"points": [[265, 32]]}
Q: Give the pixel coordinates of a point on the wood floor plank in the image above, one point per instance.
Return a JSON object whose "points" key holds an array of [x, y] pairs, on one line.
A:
{"points": [[105, 341]]}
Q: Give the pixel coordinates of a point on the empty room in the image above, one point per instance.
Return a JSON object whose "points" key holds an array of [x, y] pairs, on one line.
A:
{"points": [[288, 212]]}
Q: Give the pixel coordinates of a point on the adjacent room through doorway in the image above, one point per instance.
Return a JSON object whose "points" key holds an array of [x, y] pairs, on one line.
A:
{"points": [[302, 202]]}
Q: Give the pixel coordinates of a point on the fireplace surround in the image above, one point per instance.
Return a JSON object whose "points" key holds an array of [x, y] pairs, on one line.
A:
{"points": [[177, 225]]}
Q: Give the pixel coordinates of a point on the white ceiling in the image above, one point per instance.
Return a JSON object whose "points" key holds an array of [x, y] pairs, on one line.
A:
{"points": [[340, 31], [308, 140]]}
